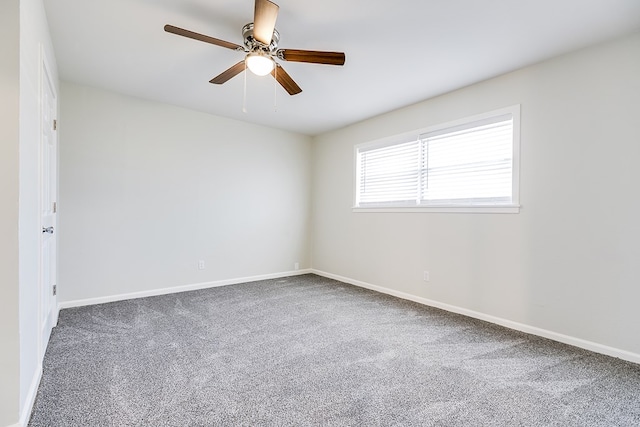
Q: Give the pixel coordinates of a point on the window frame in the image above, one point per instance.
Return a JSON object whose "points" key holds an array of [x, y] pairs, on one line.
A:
{"points": [[513, 207]]}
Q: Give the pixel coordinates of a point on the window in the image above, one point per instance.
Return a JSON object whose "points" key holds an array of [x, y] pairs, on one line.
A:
{"points": [[470, 166]]}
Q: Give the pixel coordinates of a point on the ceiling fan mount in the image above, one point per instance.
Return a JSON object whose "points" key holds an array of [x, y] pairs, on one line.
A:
{"points": [[261, 48], [251, 44]]}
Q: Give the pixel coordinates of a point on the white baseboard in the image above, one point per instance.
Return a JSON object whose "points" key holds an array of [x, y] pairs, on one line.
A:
{"points": [[25, 412], [176, 289], [566, 339], [55, 315], [577, 342]]}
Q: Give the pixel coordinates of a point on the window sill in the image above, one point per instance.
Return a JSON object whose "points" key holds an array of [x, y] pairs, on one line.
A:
{"points": [[508, 209]]}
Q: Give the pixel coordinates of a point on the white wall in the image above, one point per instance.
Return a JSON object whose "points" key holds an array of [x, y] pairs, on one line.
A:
{"points": [[568, 263], [148, 189], [35, 43], [9, 143]]}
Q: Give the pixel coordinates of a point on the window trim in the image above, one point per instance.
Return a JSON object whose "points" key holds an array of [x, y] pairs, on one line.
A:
{"points": [[514, 207]]}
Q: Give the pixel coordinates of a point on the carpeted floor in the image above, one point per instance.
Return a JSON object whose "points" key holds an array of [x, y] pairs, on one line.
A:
{"points": [[307, 350]]}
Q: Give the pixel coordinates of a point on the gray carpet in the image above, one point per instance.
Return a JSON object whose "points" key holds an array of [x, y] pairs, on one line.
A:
{"points": [[307, 350]]}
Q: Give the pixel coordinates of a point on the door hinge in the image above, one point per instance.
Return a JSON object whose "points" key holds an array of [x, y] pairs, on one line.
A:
{"points": [[55, 290], [55, 124], [55, 207]]}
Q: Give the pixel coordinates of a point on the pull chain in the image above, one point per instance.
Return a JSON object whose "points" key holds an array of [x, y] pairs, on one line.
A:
{"points": [[275, 88], [244, 95]]}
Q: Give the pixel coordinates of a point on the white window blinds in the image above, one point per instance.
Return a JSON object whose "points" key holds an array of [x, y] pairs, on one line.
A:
{"points": [[469, 164], [389, 175]]}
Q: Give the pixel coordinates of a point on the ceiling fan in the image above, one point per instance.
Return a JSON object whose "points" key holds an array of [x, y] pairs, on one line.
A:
{"points": [[261, 48]]}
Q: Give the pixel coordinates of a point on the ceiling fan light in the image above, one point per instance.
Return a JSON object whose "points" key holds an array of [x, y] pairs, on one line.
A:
{"points": [[259, 63]]}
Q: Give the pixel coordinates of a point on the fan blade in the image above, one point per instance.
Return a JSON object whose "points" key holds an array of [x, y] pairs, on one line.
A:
{"points": [[313, 56], [264, 20], [197, 36], [228, 74], [285, 80]]}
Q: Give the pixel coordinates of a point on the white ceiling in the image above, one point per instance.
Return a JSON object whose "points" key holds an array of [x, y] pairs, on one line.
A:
{"points": [[398, 53]]}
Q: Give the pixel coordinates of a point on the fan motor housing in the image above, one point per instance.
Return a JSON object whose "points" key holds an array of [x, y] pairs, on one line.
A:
{"points": [[252, 44]]}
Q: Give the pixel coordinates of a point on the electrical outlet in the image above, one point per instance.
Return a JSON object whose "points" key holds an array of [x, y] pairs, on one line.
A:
{"points": [[296, 266], [201, 265], [425, 276]]}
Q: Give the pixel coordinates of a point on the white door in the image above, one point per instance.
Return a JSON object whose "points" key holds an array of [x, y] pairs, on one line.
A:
{"points": [[48, 206]]}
